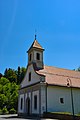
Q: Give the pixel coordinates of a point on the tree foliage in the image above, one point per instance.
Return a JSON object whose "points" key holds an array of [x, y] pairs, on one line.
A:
{"points": [[15, 75], [8, 94], [9, 85], [10, 74]]}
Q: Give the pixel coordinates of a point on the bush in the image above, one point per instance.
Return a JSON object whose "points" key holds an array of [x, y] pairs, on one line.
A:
{"points": [[12, 111], [78, 114], [5, 111], [0, 111]]}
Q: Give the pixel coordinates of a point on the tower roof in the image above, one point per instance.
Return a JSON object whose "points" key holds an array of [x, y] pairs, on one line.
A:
{"points": [[35, 44]]}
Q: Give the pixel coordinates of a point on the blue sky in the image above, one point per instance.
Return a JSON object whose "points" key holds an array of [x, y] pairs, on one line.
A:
{"points": [[58, 30]]}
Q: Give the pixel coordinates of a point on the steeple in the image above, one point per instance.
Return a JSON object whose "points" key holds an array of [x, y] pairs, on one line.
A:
{"points": [[35, 54], [35, 44]]}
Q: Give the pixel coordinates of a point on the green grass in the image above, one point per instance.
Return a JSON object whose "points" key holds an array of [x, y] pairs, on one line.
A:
{"points": [[65, 113]]}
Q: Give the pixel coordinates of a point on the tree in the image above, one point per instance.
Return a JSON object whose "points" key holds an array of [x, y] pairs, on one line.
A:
{"points": [[15, 75], [4, 81], [8, 94], [9, 85], [3, 101], [18, 75], [5, 73], [14, 96], [23, 72], [1, 75], [11, 75]]}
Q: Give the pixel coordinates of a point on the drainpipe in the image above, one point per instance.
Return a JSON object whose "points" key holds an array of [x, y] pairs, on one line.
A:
{"points": [[46, 97]]}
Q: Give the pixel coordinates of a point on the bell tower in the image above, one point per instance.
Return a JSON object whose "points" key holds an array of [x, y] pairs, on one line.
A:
{"points": [[35, 54]]}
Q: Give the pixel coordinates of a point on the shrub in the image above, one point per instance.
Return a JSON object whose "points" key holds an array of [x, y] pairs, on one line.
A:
{"points": [[5, 111], [12, 111], [78, 114], [0, 111]]}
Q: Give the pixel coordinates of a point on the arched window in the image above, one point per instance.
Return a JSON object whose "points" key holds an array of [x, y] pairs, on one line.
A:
{"points": [[21, 103], [29, 79], [38, 56], [35, 102]]}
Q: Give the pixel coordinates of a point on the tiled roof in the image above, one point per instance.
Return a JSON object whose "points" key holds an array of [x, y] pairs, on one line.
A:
{"points": [[59, 76], [35, 44]]}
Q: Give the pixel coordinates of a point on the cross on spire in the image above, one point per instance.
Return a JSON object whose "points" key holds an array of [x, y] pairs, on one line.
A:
{"points": [[35, 34]]}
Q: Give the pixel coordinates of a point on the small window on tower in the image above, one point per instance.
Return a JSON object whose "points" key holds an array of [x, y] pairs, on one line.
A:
{"points": [[30, 56], [38, 56], [30, 76], [62, 100]]}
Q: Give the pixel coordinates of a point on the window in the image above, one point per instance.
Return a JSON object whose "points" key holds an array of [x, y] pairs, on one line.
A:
{"points": [[35, 102], [38, 56], [21, 103], [30, 76], [61, 100], [30, 56]]}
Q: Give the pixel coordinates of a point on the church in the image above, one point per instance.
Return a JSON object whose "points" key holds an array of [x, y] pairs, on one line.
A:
{"points": [[47, 88]]}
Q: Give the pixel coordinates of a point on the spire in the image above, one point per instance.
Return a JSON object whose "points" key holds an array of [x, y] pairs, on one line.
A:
{"points": [[35, 44], [35, 34]]}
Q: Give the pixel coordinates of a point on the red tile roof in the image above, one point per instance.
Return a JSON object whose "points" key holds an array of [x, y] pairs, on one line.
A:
{"points": [[59, 76]]}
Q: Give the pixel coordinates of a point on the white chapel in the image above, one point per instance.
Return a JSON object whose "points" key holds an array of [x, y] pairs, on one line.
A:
{"points": [[47, 88]]}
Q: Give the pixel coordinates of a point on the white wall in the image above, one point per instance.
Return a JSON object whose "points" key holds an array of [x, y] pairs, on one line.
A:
{"points": [[35, 77], [19, 104], [26, 95], [33, 94], [53, 99], [43, 99], [30, 100]]}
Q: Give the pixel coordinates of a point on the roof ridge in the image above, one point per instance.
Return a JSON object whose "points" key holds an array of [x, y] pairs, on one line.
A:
{"points": [[60, 75], [61, 68]]}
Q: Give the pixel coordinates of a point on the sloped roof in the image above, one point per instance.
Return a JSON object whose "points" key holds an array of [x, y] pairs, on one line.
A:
{"points": [[59, 76], [35, 44]]}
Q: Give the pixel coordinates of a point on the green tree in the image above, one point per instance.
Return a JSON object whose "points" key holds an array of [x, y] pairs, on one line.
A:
{"points": [[15, 75], [9, 85], [5, 73], [3, 81], [1, 75], [3, 101], [14, 96], [8, 94], [18, 75], [11, 75], [23, 72]]}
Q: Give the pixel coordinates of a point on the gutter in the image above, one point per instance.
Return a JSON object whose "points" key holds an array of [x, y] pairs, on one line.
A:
{"points": [[46, 97]]}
